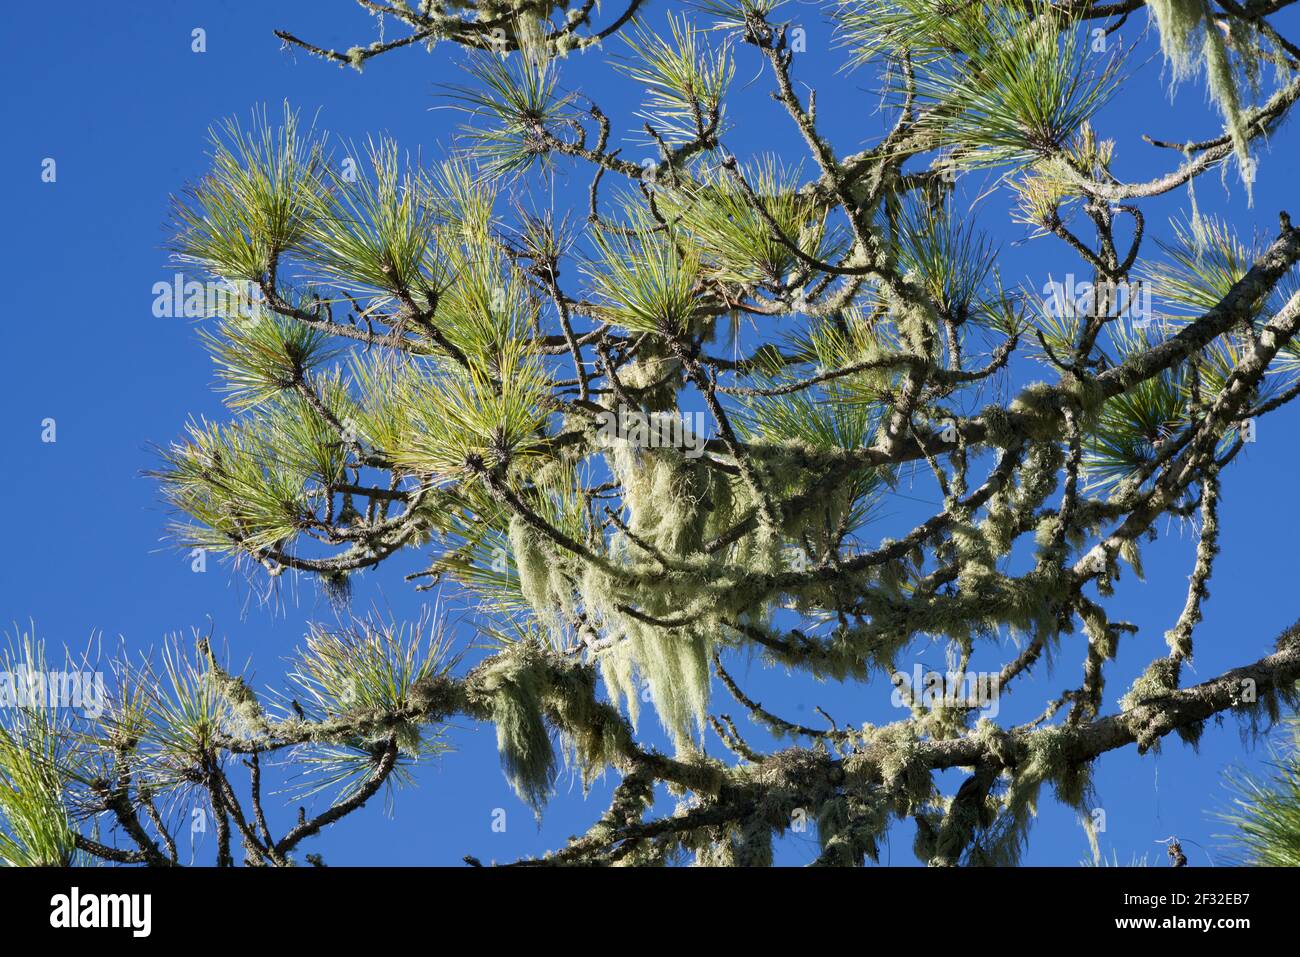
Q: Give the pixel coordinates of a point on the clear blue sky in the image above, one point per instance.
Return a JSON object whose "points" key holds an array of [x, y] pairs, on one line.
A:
{"points": [[114, 94]]}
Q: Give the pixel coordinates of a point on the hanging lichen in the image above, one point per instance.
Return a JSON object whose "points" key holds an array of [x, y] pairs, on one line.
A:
{"points": [[849, 827], [1190, 36], [514, 693]]}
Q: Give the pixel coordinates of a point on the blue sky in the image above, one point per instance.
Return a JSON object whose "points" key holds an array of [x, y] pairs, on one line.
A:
{"points": [[122, 104]]}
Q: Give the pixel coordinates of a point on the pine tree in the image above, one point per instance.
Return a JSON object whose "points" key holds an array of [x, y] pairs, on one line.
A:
{"points": [[653, 436], [1265, 812]]}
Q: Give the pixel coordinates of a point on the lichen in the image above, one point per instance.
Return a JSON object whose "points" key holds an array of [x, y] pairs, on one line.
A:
{"points": [[1159, 678], [514, 689], [1189, 38]]}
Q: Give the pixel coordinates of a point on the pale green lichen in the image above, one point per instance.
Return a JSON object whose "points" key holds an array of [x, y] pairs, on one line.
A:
{"points": [[1156, 682], [1190, 37], [849, 828], [514, 690]]}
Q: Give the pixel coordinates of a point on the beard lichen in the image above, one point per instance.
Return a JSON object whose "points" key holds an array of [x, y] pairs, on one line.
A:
{"points": [[514, 689], [1159, 678], [849, 827], [661, 605], [1189, 37]]}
